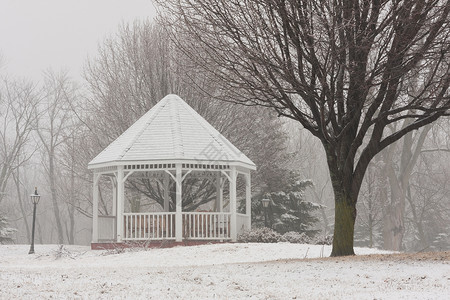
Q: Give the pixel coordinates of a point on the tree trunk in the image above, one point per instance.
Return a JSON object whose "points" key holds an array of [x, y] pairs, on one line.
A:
{"points": [[322, 210], [393, 229], [371, 226], [71, 231], [422, 243], [52, 178], [345, 205], [40, 236], [344, 227], [16, 178], [71, 206]]}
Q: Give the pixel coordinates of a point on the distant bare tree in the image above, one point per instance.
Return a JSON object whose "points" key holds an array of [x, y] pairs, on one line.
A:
{"points": [[52, 129], [343, 69], [22, 202], [18, 101], [428, 201], [398, 176], [374, 189], [403, 201]]}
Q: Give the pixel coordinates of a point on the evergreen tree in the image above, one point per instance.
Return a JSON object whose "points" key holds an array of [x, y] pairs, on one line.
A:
{"points": [[5, 231], [288, 209]]}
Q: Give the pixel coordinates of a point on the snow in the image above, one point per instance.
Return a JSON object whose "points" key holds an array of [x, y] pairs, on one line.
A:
{"points": [[287, 216], [219, 271]]}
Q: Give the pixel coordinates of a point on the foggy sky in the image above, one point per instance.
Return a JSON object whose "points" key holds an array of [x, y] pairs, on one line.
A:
{"points": [[37, 35]]}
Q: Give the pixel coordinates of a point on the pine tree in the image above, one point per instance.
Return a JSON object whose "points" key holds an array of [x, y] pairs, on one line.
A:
{"points": [[288, 209], [5, 231]]}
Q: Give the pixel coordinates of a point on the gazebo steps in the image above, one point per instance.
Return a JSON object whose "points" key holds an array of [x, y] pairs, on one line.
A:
{"points": [[153, 244]]}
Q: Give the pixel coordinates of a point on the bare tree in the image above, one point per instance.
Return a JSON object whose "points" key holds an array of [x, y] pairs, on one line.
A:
{"points": [[403, 200], [399, 181], [18, 100], [342, 69], [373, 190], [428, 204], [72, 185], [52, 129], [21, 200]]}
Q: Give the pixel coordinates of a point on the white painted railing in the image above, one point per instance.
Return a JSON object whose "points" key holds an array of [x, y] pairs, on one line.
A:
{"points": [[241, 223], [160, 226], [206, 225], [149, 226], [106, 228]]}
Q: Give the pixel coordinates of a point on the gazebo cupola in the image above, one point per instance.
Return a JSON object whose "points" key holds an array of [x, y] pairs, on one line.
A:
{"points": [[170, 143]]}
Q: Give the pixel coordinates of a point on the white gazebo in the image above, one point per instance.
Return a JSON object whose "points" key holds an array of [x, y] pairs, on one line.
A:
{"points": [[167, 144]]}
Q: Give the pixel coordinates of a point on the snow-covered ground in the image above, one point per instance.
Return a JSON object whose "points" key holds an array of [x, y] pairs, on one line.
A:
{"points": [[220, 271]]}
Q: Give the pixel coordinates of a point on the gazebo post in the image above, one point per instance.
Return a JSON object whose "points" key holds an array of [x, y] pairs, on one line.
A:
{"points": [[114, 194], [95, 209], [219, 201], [114, 206], [219, 193], [178, 214], [233, 178], [120, 200], [248, 201], [166, 182]]}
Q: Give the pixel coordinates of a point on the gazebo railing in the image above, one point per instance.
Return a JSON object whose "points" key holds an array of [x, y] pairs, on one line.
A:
{"points": [[149, 226], [161, 226], [206, 225]]}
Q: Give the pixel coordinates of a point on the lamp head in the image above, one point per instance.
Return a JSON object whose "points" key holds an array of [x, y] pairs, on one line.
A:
{"points": [[35, 197], [265, 202]]}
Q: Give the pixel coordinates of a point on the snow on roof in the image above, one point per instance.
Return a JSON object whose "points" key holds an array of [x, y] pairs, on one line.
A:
{"points": [[171, 131]]}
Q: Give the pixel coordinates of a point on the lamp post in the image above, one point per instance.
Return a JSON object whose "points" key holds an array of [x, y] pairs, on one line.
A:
{"points": [[265, 203], [35, 200]]}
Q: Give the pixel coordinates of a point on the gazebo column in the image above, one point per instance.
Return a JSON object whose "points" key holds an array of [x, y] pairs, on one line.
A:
{"points": [[233, 229], [120, 202], [114, 194], [95, 209], [219, 193], [248, 201], [114, 201], [178, 212], [166, 182]]}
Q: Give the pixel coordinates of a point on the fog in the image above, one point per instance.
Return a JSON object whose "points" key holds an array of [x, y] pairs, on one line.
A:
{"points": [[37, 35]]}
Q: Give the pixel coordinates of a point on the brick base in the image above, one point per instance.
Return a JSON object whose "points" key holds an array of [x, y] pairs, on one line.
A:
{"points": [[151, 244]]}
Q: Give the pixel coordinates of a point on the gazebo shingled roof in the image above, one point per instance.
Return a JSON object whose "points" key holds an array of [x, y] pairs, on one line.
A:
{"points": [[171, 130]]}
